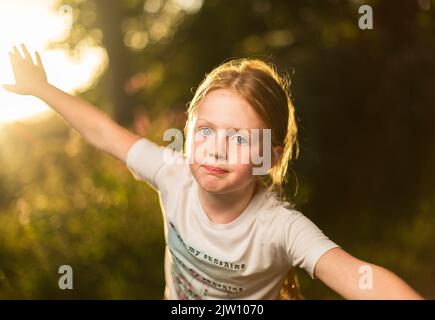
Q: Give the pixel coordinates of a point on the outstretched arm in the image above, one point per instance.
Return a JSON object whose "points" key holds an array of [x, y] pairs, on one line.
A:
{"points": [[94, 125], [356, 279]]}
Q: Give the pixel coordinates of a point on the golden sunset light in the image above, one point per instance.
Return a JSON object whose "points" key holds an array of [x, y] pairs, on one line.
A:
{"points": [[37, 23]]}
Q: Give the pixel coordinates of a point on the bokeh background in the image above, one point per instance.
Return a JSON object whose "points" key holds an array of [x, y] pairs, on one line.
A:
{"points": [[365, 107]]}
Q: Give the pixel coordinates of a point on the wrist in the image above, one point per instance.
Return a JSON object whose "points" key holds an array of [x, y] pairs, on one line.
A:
{"points": [[41, 89]]}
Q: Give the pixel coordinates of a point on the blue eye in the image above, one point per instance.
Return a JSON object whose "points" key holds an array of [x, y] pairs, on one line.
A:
{"points": [[205, 131], [241, 140]]}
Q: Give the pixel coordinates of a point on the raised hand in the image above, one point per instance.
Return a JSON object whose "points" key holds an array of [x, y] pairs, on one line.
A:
{"points": [[29, 77]]}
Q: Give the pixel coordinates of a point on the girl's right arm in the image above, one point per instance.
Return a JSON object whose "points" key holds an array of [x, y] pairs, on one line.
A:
{"points": [[95, 126]]}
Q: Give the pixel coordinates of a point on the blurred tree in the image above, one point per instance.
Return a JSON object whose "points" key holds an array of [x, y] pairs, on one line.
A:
{"points": [[110, 16], [364, 102]]}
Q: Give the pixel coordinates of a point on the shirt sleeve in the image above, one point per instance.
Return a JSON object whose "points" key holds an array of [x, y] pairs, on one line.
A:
{"points": [[304, 242], [147, 161]]}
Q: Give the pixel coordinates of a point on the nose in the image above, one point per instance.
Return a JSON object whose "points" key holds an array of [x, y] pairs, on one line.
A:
{"points": [[218, 147]]}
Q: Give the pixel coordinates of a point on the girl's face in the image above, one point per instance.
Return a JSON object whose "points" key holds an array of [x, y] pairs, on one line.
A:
{"points": [[221, 144]]}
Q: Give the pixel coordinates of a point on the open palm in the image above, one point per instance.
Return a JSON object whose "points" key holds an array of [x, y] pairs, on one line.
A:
{"points": [[28, 75]]}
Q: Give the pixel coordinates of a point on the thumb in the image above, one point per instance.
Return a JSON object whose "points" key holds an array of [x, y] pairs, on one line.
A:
{"points": [[10, 88]]}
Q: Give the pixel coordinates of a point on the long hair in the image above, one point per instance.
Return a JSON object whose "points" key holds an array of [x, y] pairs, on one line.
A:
{"points": [[268, 93]]}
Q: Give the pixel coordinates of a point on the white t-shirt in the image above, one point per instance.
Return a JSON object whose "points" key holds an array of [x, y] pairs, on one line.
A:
{"points": [[247, 258]]}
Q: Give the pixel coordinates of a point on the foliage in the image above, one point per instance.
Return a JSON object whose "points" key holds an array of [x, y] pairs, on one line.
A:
{"points": [[364, 101]]}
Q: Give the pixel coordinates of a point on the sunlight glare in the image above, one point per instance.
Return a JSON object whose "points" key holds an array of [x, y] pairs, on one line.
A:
{"points": [[36, 24]]}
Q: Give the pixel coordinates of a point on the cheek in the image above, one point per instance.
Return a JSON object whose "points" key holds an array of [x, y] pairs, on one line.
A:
{"points": [[241, 171], [194, 169], [239, 155], [195, 147]]}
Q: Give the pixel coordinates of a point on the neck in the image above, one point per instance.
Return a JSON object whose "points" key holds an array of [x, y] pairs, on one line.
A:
{"points": [[226, 207]]}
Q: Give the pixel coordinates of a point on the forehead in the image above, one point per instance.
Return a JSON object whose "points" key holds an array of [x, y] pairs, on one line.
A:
{"points": [[227, 109]]}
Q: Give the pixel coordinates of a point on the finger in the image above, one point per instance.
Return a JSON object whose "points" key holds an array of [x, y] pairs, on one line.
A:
{"points": [[14, 60], [27, 55], [39, 61], [10, 88], [17, 53]]}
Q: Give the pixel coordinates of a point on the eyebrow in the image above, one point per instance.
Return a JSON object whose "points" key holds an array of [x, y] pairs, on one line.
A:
{"points": [[215, 125]]}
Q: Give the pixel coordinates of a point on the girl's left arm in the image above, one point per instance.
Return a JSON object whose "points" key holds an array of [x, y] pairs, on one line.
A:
{"points": [[355, 279]]}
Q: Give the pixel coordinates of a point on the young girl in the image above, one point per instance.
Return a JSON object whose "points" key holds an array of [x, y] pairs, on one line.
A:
{"points": [[229, 233]]}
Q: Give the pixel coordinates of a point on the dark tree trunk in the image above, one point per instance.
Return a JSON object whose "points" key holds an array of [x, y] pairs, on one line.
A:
{"points": [[110, 17]]}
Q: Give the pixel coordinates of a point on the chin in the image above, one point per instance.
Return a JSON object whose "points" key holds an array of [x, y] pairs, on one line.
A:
{"points": [[211, 184]]}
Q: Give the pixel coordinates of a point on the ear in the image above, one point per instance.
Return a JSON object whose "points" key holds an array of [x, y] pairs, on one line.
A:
{"points": [[277, 152]]}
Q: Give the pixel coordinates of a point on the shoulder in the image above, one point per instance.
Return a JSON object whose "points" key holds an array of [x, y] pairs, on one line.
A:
{"points": [[162, 167], [175, 172], [276, 218], [286, 222], [276, 211]]}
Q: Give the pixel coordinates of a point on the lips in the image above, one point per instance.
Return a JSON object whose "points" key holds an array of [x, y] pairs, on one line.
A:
{"points": [[214, 170]]}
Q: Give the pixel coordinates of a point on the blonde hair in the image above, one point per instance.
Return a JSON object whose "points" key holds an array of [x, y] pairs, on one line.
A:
{"points": [[268, 94]]}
